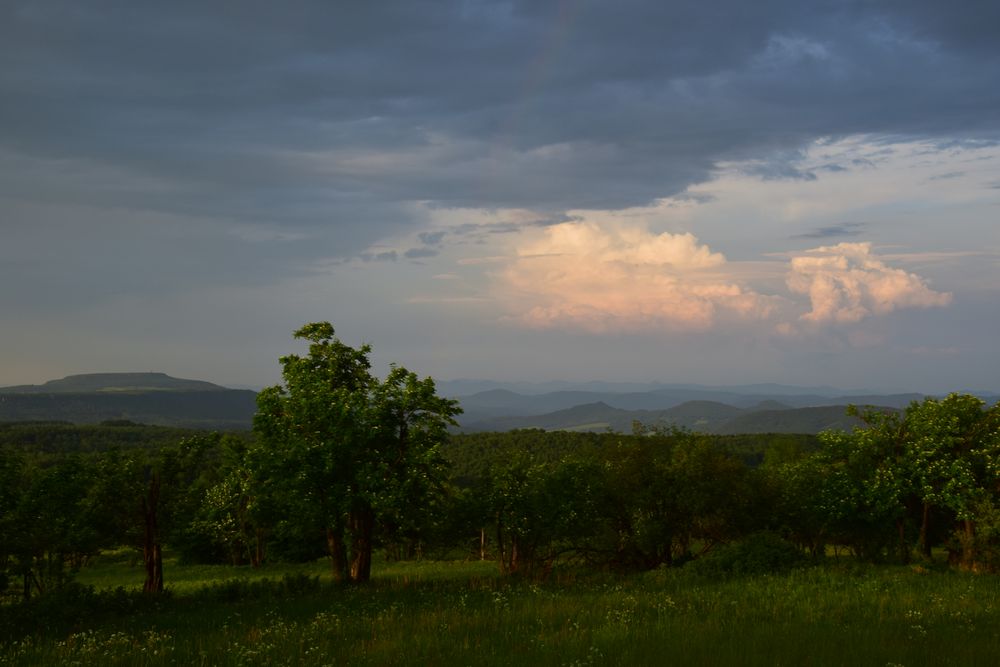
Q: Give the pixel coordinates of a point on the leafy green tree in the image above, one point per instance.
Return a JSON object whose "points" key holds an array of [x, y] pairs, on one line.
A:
{"points": [[955, 454], [11, 488], [543, 512], [673, 495], [643, 509], [49, 523], [941, 458], [864, 490], [147, 497], [237, 512], [799, 505], [352, 447]]}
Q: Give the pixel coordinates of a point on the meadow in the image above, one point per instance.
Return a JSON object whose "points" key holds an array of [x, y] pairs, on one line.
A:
{"points": [[463, 613]]}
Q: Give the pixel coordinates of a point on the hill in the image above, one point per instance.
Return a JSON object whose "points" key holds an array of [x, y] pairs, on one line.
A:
{"points": [[703, 416], [113, 382], [145, 398]]}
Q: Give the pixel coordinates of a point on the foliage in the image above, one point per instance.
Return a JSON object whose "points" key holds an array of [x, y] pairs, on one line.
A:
{"points": [[64, 438], [353, 448], [763, 552]]}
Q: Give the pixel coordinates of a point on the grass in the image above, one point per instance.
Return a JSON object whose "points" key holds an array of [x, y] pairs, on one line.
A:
{"points": [[431, 613]]}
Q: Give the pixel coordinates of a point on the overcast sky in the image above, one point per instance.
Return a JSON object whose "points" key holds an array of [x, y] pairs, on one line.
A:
{"points": [[729, 192]]}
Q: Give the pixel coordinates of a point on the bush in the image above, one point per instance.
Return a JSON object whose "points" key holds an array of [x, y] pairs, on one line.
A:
{"points": [[759, 553], [233, 590]]}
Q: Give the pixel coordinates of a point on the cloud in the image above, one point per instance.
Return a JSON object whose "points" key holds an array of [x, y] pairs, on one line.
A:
{"points": [[420, 253], [386, 256], [846, 283], [329, 122], [431, 238], [581, 275], [841, 229]]}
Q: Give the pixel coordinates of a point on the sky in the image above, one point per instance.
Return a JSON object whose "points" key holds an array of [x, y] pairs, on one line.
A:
{"points": [[714, 192]]}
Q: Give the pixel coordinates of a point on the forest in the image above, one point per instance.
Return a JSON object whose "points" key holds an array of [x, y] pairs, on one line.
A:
{"points": [[348, 469]]}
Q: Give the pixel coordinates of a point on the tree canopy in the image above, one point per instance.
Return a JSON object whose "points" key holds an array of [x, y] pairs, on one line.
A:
{"points": [[354, 448]]}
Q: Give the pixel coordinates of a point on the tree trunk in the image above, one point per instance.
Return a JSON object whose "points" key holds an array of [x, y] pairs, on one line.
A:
{"points": [[501, 549], [257, 558], [968, 539], [158, 566], [925, 524], [904, 548], [152, 553], [362, 526], [338, 553]]}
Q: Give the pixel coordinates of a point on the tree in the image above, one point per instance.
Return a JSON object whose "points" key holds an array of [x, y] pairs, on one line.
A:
{"points": [[234, 517], [544, 511], [46, 521], [351, 446], [955, 453], [146, 497], [939, 460]]}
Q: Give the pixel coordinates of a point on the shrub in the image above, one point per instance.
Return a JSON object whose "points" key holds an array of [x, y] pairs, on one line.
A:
{"points": [[759, 553]]}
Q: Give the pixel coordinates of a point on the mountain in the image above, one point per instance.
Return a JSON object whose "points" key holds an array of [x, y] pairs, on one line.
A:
{"points": [[795, 420], [464, 387], [493, 404], [124, 382], [147, 398], [704, 416]]}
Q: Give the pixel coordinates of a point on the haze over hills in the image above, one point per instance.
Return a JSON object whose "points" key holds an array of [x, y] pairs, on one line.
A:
{"points": [[468, 387], [700, 408], [598, 406], [703, 416], [157, 398]]}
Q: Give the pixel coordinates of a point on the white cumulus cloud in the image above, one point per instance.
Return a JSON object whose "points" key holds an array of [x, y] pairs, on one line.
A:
{"points": [[846, 283], [622, 277]]}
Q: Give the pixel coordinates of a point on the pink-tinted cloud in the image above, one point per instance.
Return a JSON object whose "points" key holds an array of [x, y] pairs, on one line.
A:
{"points": [[847, 283], [603, 278]]}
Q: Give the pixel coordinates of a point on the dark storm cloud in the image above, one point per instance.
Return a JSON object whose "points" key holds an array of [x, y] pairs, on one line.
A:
{"points": [[327, 120]]}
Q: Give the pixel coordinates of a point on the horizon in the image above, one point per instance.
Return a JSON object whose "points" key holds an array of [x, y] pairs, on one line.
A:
{"points": [[596, 386], [638, 192]]}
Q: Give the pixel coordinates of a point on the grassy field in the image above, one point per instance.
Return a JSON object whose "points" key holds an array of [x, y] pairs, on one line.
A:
{"points": [[430, 613]]}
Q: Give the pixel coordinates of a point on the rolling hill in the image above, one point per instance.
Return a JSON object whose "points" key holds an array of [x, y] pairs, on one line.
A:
{"points": [[704, 416]]}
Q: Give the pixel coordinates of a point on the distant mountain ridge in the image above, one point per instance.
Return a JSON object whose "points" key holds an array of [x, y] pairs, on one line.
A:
{"points": [[157, 398], [104, 382], [466, 387], [756, 408], [503, 409], [146, 398], [702, 416]]}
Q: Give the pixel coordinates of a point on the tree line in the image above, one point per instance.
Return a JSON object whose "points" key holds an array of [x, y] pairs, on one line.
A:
{"points": [[341, 463]]}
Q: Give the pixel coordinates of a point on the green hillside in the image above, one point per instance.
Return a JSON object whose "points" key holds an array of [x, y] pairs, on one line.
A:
{"points": [[702, 416]]}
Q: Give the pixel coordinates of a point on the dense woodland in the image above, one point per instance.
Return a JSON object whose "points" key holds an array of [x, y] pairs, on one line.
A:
{"points": [[341, 464], [527, 499]]}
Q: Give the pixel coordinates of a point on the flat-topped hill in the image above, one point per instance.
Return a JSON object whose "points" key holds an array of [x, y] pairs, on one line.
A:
{"points": [[145, 398], [113, 382]]}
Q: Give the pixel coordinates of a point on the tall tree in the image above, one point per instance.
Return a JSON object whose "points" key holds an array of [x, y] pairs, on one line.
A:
{"points": [[955, 453], [147, 496], [349, 445]]}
